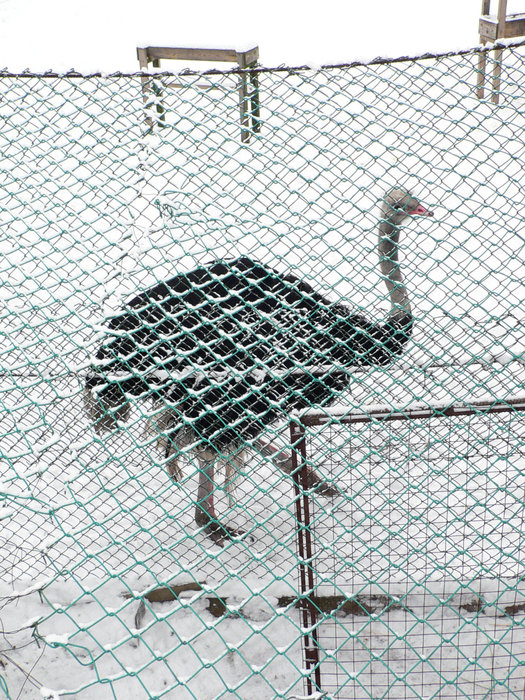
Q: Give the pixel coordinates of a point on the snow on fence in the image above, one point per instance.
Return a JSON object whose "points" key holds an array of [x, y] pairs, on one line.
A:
{"points": [[151, 538]]}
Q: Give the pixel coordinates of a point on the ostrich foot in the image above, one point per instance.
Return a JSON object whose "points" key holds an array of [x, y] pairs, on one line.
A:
{"points": [[220, 534], [324, 488], [215, 530]]}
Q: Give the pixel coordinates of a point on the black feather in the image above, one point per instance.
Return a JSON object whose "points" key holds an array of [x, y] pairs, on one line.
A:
{"points": [[232, 346]]}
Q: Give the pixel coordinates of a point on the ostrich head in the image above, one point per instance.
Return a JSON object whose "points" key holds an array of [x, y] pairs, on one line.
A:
{"points": [[398, 204]]}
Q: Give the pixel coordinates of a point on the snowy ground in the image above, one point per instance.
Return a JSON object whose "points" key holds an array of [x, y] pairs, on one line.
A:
{"points": [[183, 651]]}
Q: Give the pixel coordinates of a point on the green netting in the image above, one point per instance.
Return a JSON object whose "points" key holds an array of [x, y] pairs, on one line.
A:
{"points": [[119, 397]]}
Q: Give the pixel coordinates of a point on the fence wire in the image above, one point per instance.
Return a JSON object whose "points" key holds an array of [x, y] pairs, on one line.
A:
{"points": [[147, 504]]}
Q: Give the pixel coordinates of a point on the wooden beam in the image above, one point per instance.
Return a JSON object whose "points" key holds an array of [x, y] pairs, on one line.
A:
{"points": [[482, 58], [167, 593], [142, 55], [513, 26], [502, 14], [482, 67], [491, 29], [188, 54], [245, 59], [498, 54], [248, 98]]}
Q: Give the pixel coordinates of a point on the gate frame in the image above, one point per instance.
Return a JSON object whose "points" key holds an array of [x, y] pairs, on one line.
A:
{"points": [[311, 615]]}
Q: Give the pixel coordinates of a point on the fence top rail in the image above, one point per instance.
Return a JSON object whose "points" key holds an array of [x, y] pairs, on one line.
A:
{"points": [[384, 413], [481, 49]]}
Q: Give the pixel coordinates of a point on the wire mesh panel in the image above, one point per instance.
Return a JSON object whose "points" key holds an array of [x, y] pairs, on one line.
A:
{"points": [[415, 575], [171, 295]]}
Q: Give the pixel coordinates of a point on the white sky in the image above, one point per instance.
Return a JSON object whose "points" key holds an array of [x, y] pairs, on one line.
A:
{"points": [[103, 34]]}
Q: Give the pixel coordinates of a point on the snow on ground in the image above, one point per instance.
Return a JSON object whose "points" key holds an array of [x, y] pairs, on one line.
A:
{"points": [[91, 211], [183, 650], [180, 651]]}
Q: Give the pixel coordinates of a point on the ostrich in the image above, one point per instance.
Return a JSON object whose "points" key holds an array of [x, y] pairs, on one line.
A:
{"points": [[225, 350]]}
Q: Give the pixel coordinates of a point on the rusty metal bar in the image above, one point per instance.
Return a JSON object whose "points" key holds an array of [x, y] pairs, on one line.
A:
{"points": [[386, 414], [306, 574]]}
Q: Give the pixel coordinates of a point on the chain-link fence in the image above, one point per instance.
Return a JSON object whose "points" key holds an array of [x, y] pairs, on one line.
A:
{"points": [[173, 295]]}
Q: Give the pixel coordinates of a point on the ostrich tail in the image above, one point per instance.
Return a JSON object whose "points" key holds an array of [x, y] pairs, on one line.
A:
{"points": [[105, 409]]}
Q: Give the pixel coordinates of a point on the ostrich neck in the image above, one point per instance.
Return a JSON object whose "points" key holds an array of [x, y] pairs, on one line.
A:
{"points": [[389, 263]]}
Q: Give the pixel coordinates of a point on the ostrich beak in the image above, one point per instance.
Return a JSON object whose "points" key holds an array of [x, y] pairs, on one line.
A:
{"points": [[421, 211]]}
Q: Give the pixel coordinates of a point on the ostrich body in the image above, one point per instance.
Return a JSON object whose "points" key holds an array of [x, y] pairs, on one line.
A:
{"points": [[225, 350]]}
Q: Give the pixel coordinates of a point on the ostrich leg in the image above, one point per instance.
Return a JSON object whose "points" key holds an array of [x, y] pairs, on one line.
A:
{"points": [[204, 510]]}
